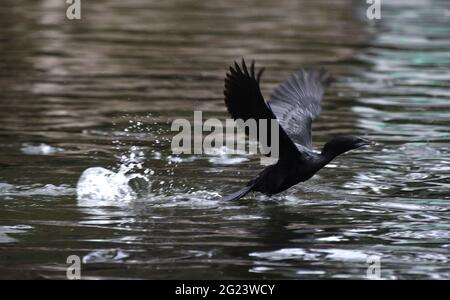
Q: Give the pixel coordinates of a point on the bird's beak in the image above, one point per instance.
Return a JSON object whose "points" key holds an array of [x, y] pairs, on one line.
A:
{"points": [[363, 142]]}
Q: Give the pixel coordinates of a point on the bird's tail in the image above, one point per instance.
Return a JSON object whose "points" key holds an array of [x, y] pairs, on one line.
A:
{"points": [[239, 194]]}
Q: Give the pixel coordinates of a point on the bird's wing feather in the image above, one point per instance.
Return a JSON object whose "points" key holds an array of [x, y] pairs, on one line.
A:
{"points": [[244, 101], [296, 103]]}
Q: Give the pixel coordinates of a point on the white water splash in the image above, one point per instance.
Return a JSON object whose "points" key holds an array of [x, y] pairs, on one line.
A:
{"points": [[98, 186], [130, 181]]}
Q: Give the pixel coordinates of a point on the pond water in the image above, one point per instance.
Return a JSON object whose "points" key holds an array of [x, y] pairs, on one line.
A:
{"points": [[86, 166]]}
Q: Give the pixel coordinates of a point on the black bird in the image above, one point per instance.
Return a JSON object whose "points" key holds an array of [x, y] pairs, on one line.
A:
{"points": [[295, 104]]}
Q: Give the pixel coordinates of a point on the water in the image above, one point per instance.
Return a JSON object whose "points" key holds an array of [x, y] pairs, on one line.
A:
{"points": [[96, 97]]}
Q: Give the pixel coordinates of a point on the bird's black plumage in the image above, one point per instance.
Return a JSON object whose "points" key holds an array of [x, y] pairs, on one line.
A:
{"points": [[295, 104], [244, 101]]}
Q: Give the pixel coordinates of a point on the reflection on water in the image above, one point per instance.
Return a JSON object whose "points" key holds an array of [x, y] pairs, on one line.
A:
{"points": [[101, 92]]}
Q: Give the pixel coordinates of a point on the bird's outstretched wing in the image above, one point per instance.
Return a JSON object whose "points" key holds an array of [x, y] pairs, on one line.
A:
{"points": [[244, 101], [296, 103]]}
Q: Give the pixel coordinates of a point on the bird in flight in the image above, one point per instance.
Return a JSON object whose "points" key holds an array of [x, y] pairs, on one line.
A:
{"points": [[295, 103]]}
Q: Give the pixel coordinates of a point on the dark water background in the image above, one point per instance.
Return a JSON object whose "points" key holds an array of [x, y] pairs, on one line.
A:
{"points": [[101, 92]]}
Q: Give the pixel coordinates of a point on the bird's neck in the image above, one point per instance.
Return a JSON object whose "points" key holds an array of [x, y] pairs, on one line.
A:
{"points": [[327, 156]]}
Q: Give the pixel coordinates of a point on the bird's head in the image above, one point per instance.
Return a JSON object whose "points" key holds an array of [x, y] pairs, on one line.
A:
{"points": [[342, 144]]}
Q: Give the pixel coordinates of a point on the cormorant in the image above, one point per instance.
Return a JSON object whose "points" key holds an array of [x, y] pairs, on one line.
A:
{"points": [[295, 104]]}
